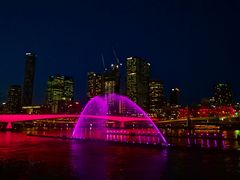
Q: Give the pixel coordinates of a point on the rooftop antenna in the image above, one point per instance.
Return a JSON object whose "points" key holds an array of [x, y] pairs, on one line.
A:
{"points": [[103, 61]]}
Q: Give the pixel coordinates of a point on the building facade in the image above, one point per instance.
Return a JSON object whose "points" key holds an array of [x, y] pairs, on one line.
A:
{"points": [[28, 84], [60, 91], [222, 94], [156, 96], [95, 84], [111, 79], [137, 81], [174, 96], [14, 99]]}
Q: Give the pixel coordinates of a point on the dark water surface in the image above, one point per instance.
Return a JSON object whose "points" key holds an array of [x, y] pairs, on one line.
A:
{"points": [[28, 157]]}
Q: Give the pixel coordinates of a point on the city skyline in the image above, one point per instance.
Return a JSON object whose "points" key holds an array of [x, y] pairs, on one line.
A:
{"points": [[107, 71], [192, 46]]}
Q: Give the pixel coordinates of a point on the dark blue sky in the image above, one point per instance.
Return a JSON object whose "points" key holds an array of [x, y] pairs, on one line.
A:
{"points": [[190, 44]]}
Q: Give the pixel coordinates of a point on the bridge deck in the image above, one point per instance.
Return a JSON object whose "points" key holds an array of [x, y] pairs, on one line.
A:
{"points": [[23, 117]]}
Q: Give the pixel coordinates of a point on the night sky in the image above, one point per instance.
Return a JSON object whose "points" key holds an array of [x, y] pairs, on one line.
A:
{"points": [[190, 44]]}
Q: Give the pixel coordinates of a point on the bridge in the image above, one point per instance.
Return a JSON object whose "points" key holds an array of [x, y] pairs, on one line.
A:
{"points": [[9, 118], [183, 120]]}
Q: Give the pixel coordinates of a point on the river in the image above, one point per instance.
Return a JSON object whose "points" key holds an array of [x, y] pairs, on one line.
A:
{"points": [[29, 157]]}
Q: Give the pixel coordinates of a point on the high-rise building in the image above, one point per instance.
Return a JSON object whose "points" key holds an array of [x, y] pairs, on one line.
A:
{"points": [[174, 96], [28, 79], [59, 92], [95, 85], [68, 89], [137, 81], [111, 79], [14, 99], [156, 96], [3, 108], [222, 94], [107, 82]]}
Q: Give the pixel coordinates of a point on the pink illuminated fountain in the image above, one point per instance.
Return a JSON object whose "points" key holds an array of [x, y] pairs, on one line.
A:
{"points": [[120, 119]]}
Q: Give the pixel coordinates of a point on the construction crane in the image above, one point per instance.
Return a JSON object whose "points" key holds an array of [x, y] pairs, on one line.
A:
{"points": [[117, 59], [103, 61]]}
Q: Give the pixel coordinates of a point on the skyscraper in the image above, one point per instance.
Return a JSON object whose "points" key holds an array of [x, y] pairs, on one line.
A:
{"points": [[28, 79], [68, 90], [222, 94], [14, 99], [95, 85], [137, 81], [59, 92], [111, 79], [174, 96], [156, 97]]}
